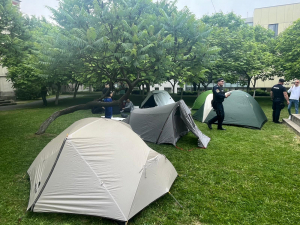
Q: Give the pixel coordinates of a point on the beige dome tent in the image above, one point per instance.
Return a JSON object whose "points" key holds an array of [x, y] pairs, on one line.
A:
{"points": [[165, 124], [98, 167]]}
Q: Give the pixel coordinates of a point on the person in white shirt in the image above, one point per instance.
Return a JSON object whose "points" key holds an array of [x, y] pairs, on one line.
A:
{"points": [[294, 97]]}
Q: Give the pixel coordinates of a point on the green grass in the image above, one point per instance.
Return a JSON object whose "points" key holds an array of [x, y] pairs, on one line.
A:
{"points": [[244, 176]]}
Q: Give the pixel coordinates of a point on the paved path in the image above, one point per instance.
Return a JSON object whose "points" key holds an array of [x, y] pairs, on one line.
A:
{"points": [[37, 103]]}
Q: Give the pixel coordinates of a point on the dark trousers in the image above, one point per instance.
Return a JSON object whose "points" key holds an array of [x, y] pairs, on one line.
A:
{"points": [[277, 106], [44, 100], [218, 107]]}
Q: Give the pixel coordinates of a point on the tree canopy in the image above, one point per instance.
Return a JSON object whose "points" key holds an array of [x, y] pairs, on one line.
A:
{"points": [[122, 41], [12, 33], [288, 51], [136, 42]]}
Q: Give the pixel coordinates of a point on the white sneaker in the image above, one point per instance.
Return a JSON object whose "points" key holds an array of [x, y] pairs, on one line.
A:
{"points": [[290, 117]]}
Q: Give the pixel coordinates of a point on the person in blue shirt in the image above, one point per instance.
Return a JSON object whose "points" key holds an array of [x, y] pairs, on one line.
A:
{"points": [[108, 110]]}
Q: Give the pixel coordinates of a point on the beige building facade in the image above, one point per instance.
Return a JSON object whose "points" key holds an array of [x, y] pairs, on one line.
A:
{"points": [[277, 18]]}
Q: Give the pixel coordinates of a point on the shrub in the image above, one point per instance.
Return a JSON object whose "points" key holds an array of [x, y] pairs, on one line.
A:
{"points": [[259, 92], [188, 93], [28, 93], [137, 92]]}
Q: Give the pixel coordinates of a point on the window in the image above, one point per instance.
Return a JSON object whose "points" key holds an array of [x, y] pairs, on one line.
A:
{"points": [[156, 89], [168, 89], [274, 27]]}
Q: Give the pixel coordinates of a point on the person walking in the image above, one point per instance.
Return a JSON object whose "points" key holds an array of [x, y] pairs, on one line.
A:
{"points": [[217, 103], [44, 91], [278, 94], [294, 98]]}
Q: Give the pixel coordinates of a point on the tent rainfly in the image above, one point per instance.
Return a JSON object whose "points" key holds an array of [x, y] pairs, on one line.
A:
{"points": [[241, 109], [157, 98], [98, 167], [201, 99], [165, 124]]}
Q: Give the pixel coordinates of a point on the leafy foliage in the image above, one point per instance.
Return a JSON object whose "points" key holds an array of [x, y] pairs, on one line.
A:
{"points": [[12, 32], [288, 51], [245, 54]]}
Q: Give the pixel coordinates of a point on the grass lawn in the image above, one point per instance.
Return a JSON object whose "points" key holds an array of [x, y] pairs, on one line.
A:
{"points": [[244, 176]]}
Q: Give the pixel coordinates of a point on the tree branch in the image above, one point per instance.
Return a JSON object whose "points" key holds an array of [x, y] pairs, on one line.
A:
{"points": [[88, 105]]}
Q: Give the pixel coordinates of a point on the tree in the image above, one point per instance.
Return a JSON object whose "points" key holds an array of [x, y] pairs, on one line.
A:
{"points": [[190, 50], [245, 51], [12, 33], [288, 51], [122, 41], [224, 29], [115, 40]]}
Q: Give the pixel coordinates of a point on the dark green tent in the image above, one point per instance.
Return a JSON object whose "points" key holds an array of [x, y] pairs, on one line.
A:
{"points": [[241, 109], [201, 99]]}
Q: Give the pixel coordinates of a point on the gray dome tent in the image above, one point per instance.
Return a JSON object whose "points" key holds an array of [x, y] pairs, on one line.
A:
{"points": [[157, 98], [241, 109], [165, 124], [98, 167]]}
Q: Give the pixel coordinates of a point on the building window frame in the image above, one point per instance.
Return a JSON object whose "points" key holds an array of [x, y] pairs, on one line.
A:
{"points": [[274, 27]]}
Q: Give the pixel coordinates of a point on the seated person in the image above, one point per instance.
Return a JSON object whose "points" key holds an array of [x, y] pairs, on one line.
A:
{"points": [[129, 107]]}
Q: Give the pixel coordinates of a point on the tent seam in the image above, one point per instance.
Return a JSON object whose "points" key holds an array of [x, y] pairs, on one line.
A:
{"points": [[83, 127], [138, 185], [49, 176], [176, 105], [99, 179]]}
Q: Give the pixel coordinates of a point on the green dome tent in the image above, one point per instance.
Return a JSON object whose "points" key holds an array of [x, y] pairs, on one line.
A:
{"points": [[241, 109], [201, 99]]}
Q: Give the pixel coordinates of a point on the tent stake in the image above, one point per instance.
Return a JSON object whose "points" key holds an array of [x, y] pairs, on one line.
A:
{"points": [[175, 200]]}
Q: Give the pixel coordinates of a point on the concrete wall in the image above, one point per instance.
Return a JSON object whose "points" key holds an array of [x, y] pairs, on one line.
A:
{"points": [[165, 86], [6, 89]]}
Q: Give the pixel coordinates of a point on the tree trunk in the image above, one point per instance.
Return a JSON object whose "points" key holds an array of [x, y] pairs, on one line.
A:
{"points": [[198, 90], [254, 84], [181, 94], [205, 87], [76, 89], [248, 84], [57, 94], [173, 85], [90, 88], [195, 86], [88, 105], [143, 91], [148, 87]]}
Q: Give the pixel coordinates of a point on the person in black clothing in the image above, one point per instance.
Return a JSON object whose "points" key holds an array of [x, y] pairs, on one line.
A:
{"points": [[105, 89], [218, 97], [278, 94], [44, 91]]}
